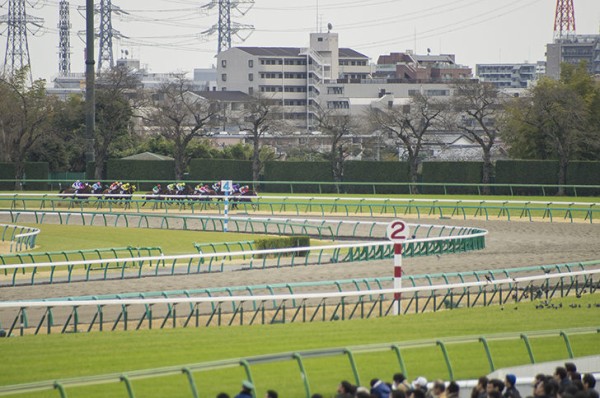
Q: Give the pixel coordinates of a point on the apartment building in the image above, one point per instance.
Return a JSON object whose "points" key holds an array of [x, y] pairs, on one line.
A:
{"points": [[573, 50], [508, 75], [297, 78]]}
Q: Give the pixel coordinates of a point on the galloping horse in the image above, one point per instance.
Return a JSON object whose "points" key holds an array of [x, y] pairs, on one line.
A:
{"points": [[79, 194], [245, 197]]}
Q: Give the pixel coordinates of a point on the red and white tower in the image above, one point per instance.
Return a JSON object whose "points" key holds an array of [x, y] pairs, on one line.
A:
{"points": [[564, 19]]}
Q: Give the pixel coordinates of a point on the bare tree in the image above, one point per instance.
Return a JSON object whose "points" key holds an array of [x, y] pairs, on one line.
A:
{"points": [[480, 108], [260, 116], [25, 113], [409, 123], [116, 98], [338, 125], [181, 116]]}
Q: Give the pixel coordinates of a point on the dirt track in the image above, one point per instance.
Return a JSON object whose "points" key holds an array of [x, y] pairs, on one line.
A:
{"points": [[509, 244]]}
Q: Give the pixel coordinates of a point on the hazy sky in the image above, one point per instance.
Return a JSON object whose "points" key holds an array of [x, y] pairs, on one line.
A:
{"points": [[166, 35]]}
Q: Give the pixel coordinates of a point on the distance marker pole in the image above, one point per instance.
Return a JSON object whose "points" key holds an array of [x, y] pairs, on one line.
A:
{"points": [[397, 277]]}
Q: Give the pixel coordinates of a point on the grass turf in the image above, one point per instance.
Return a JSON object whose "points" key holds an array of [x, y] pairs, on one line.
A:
{"points": [[32, 358]]}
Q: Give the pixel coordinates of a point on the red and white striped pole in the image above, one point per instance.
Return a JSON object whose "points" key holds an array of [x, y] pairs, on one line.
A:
{"points": [[397, 232], [397, 277]]}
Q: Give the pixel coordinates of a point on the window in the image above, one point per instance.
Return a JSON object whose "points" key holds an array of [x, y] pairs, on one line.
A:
{"points": [[224, 63], [250, 63], [251, 76], [224, 77], [250, 90]]}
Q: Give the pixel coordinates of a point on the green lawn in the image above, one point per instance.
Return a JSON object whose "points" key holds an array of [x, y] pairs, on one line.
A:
{"points": [[34, 358]]}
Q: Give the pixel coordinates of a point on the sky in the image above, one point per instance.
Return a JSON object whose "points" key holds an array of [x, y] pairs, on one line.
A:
{"points": [[167, 35]]}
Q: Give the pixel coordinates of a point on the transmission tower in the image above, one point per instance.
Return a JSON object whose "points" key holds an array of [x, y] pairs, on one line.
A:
{"points": [[225, 27], [64, 45], [107, 33], [17, 49], [564, 19]]}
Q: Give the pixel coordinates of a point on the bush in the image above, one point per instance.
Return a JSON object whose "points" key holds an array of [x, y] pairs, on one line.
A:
{"points": [[282, 242]]}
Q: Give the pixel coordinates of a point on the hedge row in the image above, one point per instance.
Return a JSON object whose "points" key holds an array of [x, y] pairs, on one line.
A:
{"points": [[526, 172], [284, 242]]}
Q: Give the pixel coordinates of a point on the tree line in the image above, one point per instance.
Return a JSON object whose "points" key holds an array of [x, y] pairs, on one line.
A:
{"points": [[555, 119]]}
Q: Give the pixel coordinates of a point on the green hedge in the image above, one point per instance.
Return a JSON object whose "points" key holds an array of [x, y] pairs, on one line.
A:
{"points": [[136, 170], [298, 171], [210, 170], [584, 173], [526, 172], [371, 171], [284, 242], [33, 171], [451, 172]]}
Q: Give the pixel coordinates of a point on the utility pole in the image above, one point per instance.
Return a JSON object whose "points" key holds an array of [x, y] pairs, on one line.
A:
{"points": [[64, 38], [90, 83], [17, 48], [225, 28]]}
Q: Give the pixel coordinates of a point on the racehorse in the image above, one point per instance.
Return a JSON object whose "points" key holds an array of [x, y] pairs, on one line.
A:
{"points": [[245, 197], [80, 194], [154, 195]]}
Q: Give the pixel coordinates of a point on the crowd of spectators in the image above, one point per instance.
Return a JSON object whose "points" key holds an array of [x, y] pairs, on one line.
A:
{"points": [[565, 382]]}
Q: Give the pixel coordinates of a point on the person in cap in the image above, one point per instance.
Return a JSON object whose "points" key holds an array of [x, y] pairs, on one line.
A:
{"points": [[380, 389], [510, 390], [246, 392]]}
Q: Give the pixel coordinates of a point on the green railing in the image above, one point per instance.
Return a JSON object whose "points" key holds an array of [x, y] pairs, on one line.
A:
{"points": [[227, 307], [324, 206], [328, 187], [19, 238], [350, 353], [426, 240]]}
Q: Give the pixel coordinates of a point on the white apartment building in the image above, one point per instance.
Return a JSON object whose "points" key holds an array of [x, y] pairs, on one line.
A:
{"points": [[299, 79]]}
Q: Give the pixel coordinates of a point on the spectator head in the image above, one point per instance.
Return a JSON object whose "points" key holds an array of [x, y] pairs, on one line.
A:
{"points": [[560, 373], [271, 394], [248, 386], [439, 387], [482, 383], [417, 393], [453, 388], [223, 395], [511, 380], [551, 387], [362, 392], [494, 394], [398, 378], [317, 396], [420, 383], [398, 394], [570, 367], [589, 381], [346, 387], [495, 385], [575, 376]]}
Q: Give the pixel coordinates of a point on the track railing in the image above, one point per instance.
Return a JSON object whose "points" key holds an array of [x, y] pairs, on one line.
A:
{"points": [[428, 240], [298, 357], [223, 308], [324, 206], [19, 238]]}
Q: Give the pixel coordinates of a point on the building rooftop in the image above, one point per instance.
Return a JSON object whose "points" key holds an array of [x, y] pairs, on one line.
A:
{"points": [[294, 52]]}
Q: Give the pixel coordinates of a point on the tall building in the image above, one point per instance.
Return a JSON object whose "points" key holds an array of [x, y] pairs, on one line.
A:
{"points": [[507, 75], [295, 77], [573, 50]]}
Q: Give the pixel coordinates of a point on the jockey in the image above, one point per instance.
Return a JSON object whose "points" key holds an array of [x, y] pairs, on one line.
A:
{"points": [[198, 187], [217, 186], [180, 186], [78, 185], [125, 187], [236, 188], [204, 189], [245, 189], [115, 185], [156, 190], [97, 186], [171, 187]]}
